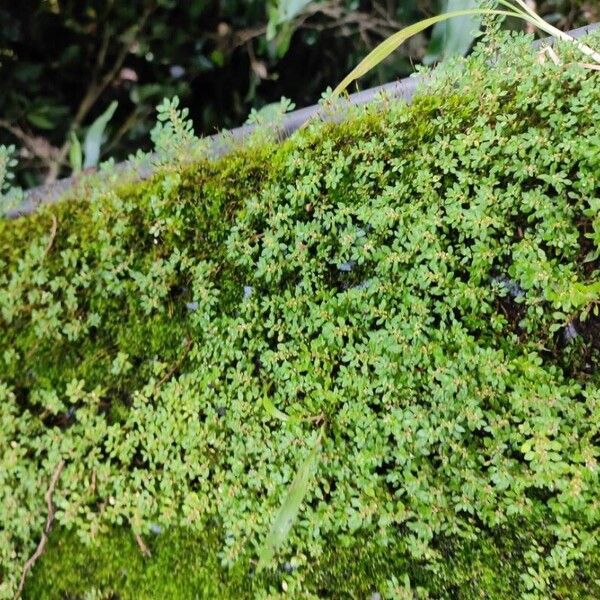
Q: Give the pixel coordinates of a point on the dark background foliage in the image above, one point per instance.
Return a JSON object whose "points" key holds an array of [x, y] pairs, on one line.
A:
{"points": [[63, 61]]}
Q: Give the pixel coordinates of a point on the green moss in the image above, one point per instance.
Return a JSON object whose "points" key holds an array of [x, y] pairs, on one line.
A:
{"points": [[185, 565], [419, 285], [182, 566]]}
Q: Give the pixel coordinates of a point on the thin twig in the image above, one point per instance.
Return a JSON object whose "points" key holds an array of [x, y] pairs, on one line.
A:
{"points": [[93, 482], [241, 38], [97, 88], [50, 518], [339, 17], [52, 235], [316, 419], [530, 27], [137, 114], [142, 545], [38, 146]]}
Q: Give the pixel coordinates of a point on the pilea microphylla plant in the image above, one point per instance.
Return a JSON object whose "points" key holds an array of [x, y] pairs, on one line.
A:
{"points": [[359, 363]]}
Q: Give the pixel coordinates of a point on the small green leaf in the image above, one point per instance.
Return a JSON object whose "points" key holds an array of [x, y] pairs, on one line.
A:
{"points": [[522, 11]]}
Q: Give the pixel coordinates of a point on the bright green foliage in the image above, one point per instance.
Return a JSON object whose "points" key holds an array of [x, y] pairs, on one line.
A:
{"points": [[10, 195], [420, 281], [173, 134], [7, 162], [186, 566]]}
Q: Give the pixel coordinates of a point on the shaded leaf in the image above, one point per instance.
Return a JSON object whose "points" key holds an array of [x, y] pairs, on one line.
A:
{"points": [[453, 37]]}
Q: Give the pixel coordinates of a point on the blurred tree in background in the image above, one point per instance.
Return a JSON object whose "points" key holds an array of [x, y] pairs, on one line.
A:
{"points": [[64, 63]]}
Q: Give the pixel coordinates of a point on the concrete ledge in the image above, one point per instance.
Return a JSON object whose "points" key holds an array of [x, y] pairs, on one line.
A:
{"points": [[404, 88]]}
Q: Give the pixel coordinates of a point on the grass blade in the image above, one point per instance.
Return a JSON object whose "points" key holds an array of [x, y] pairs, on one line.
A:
{"points": [[289, 509], [95, 135], [397, 39], [272, 410], [75, 154]]}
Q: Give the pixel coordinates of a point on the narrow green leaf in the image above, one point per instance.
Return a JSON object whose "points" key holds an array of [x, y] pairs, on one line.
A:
{"points": [[94, 137], [75, 153], [530, 15], [273, 411], [386, 47], [289, 509]]}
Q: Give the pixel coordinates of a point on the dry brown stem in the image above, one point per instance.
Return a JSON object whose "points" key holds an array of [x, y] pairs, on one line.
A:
{"points": [[49, 519]]}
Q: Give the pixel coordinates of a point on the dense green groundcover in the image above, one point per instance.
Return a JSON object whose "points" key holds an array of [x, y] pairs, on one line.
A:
{"points": [[418, 286]]}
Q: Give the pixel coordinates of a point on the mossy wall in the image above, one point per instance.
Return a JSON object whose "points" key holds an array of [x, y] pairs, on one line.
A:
{"points": [[418, 285]]}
